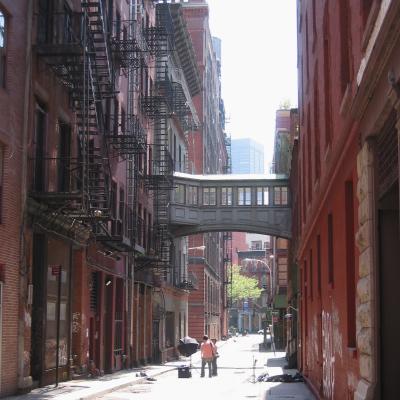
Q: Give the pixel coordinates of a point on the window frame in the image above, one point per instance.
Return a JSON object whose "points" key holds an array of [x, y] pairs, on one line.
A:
{"points": [[192, 195], [246, 200], [209, 190], [262, 190], [3, 50], [279, 198], [226, 196], [179, 193]]}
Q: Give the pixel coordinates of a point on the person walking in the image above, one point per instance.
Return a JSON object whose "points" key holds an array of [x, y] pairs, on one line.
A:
{"points": [[214, 361], [207, 351]]}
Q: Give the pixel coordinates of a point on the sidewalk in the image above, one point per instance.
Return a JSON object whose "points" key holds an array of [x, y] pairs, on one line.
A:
{"points": [[280, 390], [90, 388]]}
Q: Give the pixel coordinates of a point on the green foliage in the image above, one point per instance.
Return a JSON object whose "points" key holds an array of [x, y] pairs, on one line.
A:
{"points": [[243, 287]]}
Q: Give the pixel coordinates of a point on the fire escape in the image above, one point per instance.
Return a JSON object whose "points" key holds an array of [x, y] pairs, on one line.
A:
{"points": [[157, 104], [74, 45], [83, 54]]}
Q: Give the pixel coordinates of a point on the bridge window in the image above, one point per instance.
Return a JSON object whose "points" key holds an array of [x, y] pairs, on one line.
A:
{"points": [[280, 195], [244, 196], [262, 196], [226, 196], [191, 195], [179, 194], [209, 197]]}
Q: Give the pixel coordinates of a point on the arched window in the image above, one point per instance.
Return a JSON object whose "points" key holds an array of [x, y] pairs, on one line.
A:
{"points": [[3, 32]]}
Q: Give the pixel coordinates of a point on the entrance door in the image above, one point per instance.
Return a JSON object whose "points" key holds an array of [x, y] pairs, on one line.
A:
{"points": [[389, 256], [156, 354]]}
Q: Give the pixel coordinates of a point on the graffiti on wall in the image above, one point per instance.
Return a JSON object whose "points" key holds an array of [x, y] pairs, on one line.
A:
{"points": [[332, 349], [328, 356]]}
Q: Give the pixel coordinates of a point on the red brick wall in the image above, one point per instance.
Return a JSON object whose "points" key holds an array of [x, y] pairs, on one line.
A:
{"points": [[326, 160], [196, 304], [11, 128]]}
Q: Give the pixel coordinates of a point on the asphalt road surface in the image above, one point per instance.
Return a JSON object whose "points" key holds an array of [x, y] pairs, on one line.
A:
{"points": [[235, 380]]}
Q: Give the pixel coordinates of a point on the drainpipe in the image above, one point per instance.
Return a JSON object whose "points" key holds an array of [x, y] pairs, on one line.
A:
{"points": [[24, 382]]}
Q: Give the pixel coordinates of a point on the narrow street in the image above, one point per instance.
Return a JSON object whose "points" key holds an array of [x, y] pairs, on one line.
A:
{"points": [[235, 379]]}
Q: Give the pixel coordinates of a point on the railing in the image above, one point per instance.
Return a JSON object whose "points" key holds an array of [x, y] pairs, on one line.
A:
{"points": [[128, 44], [185, 281]]}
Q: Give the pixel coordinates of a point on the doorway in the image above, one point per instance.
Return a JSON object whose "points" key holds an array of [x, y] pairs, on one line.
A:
{"points": [[389, 271]]}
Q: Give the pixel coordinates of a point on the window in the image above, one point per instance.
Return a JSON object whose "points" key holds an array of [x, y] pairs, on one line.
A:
{"points": [[280, 195], [209, 198], [330, 249], [191, 195], [244, 196], [40, 140], [3, 43], [64, 151], [226, 196], [256, 245], [327, 77], [1, 180], [262, 196], [345, 44], [311, 276], [319, 264], [351, 269], [179, 194], [121, 211], [114, 199]]}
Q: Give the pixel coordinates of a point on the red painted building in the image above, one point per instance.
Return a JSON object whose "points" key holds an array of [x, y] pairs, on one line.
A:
{"points": [[347, 196]]}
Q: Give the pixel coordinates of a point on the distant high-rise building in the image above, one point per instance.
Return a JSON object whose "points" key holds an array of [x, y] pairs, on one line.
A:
{"points": [[247, 156]]}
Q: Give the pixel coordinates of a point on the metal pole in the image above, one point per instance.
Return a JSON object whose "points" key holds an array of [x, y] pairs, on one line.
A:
{"points": [[58, 322]]}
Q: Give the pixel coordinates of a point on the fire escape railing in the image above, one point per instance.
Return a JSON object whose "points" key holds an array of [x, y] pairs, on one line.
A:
{"points": [[75, 46], [84, 57]]}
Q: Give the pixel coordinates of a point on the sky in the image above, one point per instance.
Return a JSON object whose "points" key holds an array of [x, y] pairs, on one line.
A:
{"points": [[259, 64]]}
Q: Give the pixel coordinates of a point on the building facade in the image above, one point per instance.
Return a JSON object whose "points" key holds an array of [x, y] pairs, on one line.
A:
{"points": [[91, 281], [247, 157], [207, 155], [14, 83], [348, 196]]}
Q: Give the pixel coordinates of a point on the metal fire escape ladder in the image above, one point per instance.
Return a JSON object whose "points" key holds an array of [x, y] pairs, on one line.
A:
{"points": [[79, 56], [97, 85], [158, 105]]}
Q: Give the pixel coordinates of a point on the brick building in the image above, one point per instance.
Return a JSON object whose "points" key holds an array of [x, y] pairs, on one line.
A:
{"points": [[208, 155], [91, 130], [14, 83], [347, 221]]}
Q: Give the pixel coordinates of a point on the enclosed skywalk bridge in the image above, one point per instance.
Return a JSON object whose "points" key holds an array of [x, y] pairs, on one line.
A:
{"points": [[237, 203]]}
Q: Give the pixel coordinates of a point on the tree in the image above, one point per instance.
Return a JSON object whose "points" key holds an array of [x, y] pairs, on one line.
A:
{"points": [[243, 287]]}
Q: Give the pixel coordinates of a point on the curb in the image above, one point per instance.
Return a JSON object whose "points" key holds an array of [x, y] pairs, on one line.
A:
{"points": [[123, 385]]}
